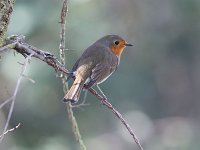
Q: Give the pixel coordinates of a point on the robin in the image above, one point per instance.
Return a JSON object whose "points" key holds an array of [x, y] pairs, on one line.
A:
{"points": [[95, 65]]}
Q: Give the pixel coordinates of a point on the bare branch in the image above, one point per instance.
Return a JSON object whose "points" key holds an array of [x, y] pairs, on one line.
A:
{"points": [[7, 47], [83, 103], [10, 130], [5, 102], [28, 78], [105, 102], [17, 42], [63, 76], [15, 94]]}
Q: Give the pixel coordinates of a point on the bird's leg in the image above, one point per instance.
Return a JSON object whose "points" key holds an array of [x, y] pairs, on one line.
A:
{"points": [[103, 95], [84, 97], [83, 103]]}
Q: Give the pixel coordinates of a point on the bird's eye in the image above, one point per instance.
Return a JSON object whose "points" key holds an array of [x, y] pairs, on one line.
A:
{"points": [[116, 42]]}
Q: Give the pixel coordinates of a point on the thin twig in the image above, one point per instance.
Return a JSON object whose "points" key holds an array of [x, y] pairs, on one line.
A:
{"points": [[10, 130], [104, 101], [28, 78], [5, 102], [85, 97], [83, 103], [15, 94], [65, 84]]}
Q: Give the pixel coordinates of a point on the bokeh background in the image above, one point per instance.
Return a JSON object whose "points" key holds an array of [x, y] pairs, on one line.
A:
{"points": [[156, 87]]}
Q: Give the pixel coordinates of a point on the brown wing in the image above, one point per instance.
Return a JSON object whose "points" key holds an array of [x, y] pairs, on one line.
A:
{"points": [[99, 74]]}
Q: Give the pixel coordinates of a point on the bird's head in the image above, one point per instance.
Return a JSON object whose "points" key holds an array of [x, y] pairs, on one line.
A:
{"points": [[115, 43]]}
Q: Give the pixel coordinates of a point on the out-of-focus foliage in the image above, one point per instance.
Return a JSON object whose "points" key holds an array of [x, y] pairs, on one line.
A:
{"points": [[156, 87]]}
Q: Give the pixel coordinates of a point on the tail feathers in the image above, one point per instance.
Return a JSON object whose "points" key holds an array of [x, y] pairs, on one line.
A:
{"points": [[74, 92]]}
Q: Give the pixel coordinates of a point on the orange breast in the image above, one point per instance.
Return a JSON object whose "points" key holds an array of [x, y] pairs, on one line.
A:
{"points": [[118, 49]]}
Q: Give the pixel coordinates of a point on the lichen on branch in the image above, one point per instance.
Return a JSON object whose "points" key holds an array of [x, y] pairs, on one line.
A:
{"points": [[6, 9]]}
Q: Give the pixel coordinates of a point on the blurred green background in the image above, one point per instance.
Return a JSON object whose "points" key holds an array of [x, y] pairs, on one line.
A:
{"points": [[156, 87]]}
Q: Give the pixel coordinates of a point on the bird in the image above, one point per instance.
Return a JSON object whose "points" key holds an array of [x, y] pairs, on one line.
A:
{"points": [[95, 65]]}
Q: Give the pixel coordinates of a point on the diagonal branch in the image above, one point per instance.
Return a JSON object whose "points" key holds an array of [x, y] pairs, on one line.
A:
{"points": [[105, 102], [24, 66], [10, 130], [17, 42], [5, 102]]}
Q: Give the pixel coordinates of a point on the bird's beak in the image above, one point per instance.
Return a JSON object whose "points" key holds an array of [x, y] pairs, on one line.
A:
{"points": [[128, 44]]}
